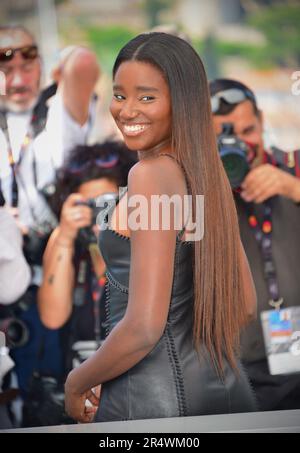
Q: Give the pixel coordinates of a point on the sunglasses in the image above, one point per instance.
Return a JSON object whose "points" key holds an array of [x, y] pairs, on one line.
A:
{"points": [[27, 52], [109, 161], [231, 96]]}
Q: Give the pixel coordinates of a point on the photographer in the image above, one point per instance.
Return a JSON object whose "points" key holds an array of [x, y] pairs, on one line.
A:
{"points": [[14, 271], [38, 127], [12, 264], [74, 271], [267, 193]]}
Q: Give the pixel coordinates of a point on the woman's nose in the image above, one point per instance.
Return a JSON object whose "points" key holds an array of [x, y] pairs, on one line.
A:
{"points": [[129, 111]]}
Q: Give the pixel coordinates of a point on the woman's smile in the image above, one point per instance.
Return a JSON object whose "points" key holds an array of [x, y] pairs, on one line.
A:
{"points": [[132, 130], [141, 105]]}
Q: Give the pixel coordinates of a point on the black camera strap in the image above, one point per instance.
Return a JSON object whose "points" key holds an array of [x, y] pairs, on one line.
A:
{"points": [[263, 236], [2, 200], [85, 270]]}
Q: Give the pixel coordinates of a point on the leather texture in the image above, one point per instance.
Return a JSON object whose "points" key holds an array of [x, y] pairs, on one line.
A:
{"points": [[172, 380]]}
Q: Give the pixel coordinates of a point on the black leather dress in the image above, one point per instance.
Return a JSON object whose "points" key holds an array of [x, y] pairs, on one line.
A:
{"points": [[171, 381]]}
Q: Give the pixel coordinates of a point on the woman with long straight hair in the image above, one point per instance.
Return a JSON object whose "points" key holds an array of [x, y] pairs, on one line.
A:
{"points": [[176, 303]]}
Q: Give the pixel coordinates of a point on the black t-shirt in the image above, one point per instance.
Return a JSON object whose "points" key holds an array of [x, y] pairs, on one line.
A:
{"points": [[286, 255], [282, 391]]}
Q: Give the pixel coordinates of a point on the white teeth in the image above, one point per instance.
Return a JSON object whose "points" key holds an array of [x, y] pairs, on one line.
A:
{"points": [[135, 128]]}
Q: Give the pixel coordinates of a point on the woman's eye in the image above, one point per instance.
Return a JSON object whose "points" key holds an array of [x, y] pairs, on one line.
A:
{"points": [[147, 98], [118, 97]]}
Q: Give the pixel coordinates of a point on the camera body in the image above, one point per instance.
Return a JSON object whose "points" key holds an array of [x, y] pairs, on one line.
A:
{"points": [[98, 205], [35, 242], [236, 155]]}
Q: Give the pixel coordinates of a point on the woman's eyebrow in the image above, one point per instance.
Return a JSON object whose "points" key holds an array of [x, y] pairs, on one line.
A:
{"points": [[138, 88], [143, 88]]}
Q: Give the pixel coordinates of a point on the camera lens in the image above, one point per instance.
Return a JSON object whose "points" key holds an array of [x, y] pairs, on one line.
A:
{"points": [[236, 167], [15, 331]]}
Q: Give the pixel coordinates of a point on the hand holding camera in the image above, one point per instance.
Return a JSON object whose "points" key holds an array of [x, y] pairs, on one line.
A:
{"points": [[76, 214], [267, 181]]}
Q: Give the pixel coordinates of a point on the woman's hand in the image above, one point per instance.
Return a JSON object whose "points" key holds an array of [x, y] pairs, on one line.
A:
{"points": [[75, 403]]}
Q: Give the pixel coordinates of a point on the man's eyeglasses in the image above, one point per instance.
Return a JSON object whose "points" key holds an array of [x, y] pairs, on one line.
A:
{"points": [[27, 52], [231, 96], [109, 161]]}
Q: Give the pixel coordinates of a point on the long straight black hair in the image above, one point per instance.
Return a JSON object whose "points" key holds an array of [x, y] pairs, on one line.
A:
{"points": [[219, 299]]}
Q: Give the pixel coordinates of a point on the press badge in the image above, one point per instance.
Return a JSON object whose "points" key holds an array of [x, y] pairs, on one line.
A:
{"points": [[281, 330]]}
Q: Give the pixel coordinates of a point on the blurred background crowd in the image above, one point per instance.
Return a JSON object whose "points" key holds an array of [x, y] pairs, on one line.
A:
{"points": [[60, 152]]}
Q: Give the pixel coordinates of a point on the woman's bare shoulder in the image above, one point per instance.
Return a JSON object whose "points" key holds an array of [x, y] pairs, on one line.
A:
{"points": [[160, 174]]}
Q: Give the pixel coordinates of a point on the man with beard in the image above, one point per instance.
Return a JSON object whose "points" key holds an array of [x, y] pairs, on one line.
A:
{"points": [[267, 200], [28, 159]]}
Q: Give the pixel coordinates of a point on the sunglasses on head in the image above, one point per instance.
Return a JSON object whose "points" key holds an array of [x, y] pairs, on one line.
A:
{"points": [[231, 96], [109, 161], [27, 52]]}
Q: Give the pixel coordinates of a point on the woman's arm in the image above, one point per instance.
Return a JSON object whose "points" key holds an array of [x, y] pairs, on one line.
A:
{"points": [[55, 295], [150, 286]]}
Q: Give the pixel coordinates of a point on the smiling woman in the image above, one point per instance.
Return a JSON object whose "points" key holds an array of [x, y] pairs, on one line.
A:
{"points": [[175, 307], [141, 106]]}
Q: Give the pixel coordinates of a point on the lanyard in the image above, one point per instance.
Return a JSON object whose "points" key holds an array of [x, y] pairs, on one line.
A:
{"points": [[263, 236], [37, 124], [13, 164]]}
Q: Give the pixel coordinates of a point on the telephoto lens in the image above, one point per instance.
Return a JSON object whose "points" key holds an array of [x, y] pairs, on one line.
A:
{"points": [[236, 155], [16, 332]]}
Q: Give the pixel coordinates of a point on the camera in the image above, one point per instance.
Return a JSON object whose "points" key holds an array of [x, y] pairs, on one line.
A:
{"points": [[236, 155], [35, 242], [98, 205], [16, 332], [44, 405]]}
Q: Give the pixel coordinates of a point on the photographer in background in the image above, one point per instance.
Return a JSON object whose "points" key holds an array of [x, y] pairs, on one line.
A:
{"points": [[14, 271], [39, 127], [267, 193], [72, 292], [14, 280], [37, 130]]}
